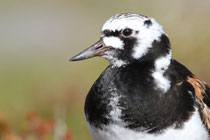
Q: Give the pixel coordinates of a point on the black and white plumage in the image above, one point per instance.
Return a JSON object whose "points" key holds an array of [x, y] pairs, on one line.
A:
{"points": [[143, 94]]}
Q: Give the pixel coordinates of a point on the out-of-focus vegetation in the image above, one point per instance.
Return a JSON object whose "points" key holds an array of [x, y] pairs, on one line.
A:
{"points": [[36, 128], [38, 37]]}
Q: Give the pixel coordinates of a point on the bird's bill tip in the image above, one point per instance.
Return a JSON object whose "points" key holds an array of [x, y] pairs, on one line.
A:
{"points": [[73, 59], [81, 56], [96, 49]]}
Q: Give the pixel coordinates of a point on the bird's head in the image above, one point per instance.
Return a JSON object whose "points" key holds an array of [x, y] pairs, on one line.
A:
{"points": [[128, 38]]}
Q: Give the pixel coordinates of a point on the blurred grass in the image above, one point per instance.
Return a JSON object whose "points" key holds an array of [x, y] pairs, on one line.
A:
{"points": [[37, 38]]}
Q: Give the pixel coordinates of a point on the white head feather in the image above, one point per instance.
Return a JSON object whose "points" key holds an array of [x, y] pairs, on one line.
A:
{"points": [[145, 34]]}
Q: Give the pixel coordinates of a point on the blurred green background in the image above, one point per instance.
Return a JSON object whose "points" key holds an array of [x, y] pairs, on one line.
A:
{"points": [[37, 38]]}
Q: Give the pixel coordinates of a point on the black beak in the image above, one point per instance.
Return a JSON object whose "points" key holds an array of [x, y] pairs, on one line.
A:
{"points": [[97, 49]]}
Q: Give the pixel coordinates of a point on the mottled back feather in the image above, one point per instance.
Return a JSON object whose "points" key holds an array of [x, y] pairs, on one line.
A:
{"points": [[202, 93]]}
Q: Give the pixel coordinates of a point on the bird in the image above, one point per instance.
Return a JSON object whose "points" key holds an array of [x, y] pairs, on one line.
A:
{"points": [[143, 94]]}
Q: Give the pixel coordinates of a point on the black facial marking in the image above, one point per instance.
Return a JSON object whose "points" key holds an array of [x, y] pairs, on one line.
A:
{"points": [[109, 33], [129, 42], [148, 22], [126, 53]]}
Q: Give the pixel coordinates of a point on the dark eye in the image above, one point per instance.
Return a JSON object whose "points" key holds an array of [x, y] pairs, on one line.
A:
{"points": [[127, 32]]}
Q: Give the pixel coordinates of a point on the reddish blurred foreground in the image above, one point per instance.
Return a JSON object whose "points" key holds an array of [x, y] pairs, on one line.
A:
{"points": [[36, 128]]}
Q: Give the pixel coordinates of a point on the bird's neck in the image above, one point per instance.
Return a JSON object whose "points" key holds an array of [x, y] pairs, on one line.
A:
{"points": [[158, 60], [161, 65]]}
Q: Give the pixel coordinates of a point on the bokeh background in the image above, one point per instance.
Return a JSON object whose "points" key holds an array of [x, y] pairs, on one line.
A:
{"points": [[37, 38]]}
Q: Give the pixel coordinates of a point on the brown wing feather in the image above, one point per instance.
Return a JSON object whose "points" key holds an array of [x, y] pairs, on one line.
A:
{"points": [[202, 99]]}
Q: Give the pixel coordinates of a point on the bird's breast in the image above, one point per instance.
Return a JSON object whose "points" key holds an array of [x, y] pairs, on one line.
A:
{"points": [[193, 129], [123, 98], [124, 105]]}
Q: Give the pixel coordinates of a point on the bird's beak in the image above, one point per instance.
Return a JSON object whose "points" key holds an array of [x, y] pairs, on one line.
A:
{"points": [[97, 49]]}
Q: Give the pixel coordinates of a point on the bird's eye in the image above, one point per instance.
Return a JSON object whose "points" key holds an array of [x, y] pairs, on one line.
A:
{"points": [[127, 32]]}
